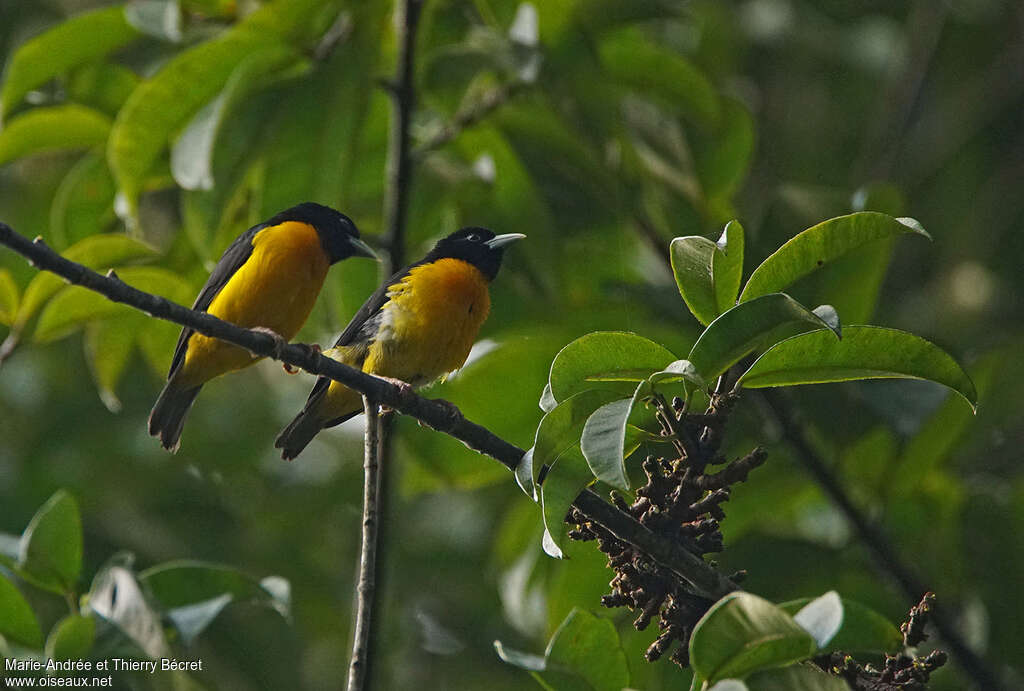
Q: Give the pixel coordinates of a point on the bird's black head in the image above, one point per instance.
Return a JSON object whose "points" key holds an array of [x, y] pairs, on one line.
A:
{"points": [[478, 246], [338, 234]]}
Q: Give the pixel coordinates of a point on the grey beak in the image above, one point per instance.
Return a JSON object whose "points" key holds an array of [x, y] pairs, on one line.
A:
{"points": [[361, 249], [499, 241]]}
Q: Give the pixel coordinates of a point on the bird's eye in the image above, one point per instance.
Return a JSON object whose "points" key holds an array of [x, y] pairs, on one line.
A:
{"points": [[473, 237]]}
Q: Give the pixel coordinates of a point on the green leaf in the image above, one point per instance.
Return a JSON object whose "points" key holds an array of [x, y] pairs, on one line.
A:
{"points": [[722, 160], [84, 201], [604, 360], [75, 306], [52, 128], [97, 252], [821, 244], [18, 622], [561, 428], [707, 273], [631, 58], [73, 42], [680, 370], [104, 86], [589, 646], [108, 348], [50, 552], [743, 633], [164, 103], [10, 296], [568, 476], [748, 326], [71, 638], [821, 617], [517, 658], [192, 153], [863, 630], [805, 677], [116, 596], [604, 439], [866, 352]]}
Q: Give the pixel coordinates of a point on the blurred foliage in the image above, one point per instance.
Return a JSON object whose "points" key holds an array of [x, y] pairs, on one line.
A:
{"points": [[620, 126]]}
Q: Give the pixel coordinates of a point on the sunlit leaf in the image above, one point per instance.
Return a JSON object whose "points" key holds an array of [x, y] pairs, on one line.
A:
{"points": [[52, 128], [50, 553], [744, 328], [589, 647], [606, 360], [863, 630], [865, 352], [74, 306], [707, 273], [10, 296], [18, 622], [71, 638], [73, 42], [743, 633], [604, 439], [568, 476], [821, 244], [821, 617]]}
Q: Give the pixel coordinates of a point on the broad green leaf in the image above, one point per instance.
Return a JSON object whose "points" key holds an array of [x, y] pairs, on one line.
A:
{"points": [[568, 476], [821, 244], [18, 621], [164, 103], [863, 630], [74, 306], [192, 152], [10, 296], [632, 59], [104, 86], [746, 327], [50, 553], [707, 273], [680, 370], [562, 427], [116, 596], [607, 360], [804, 677], [866, 352], [589, 646], [743, 633], [181, 583], [84, 202], [97, 252], [108, 348], [52, 128], [604, 439], [71, 638], [821, 617], [73, 42]]}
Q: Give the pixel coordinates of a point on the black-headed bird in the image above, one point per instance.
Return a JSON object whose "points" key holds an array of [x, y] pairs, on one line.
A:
{"points": [[269, 279], [418, 326]]}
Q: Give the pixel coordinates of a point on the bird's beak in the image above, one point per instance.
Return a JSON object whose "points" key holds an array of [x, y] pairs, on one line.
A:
{"points": [[361, 249], [499, 241]]}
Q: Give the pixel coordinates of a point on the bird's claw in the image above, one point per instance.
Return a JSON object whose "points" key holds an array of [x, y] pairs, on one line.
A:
{"points": [[451, 412], [404, 391], [312, 348], [279, 341]]}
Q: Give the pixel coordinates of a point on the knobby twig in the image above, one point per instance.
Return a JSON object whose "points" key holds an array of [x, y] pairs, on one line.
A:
{"points": [[877, 542], [439, 416], [360, 661]]}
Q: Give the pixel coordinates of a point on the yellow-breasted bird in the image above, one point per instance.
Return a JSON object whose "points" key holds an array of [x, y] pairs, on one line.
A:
{"points": [[268, 278], [418, 326]]}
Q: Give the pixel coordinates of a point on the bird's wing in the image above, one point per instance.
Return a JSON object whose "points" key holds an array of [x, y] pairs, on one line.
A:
{"points": [[230, 262]]}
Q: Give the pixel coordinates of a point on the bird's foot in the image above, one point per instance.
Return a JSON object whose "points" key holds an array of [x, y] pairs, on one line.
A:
{"points": [[311, 348], [279, 341], [404, 391], [452, 414]]}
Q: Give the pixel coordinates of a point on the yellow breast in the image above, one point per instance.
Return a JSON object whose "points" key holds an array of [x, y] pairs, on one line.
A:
{"points": [[275, 288]]}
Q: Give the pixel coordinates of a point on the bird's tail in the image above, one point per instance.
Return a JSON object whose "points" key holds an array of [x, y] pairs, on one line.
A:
{"points": [[299, 432], [168, 415]]}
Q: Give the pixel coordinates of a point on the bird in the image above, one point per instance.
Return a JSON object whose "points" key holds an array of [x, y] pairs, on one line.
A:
{"points": [[267, 279], [417, 327]]}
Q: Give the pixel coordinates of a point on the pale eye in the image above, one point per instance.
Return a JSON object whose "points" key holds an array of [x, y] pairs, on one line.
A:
{"points": [[473, 237]]}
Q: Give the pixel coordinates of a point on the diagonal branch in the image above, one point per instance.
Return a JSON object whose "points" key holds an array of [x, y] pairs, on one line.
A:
{"points": [[440, 416]]}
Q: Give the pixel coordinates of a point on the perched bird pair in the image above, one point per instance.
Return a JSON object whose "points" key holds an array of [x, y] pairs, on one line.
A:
{"points": [[418, 326]]}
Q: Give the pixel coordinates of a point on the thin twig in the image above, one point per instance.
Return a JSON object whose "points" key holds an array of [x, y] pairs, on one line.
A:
{"points": [[470, 116], [359, 664], [877, 542], [439, 416]]}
